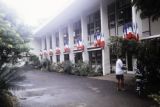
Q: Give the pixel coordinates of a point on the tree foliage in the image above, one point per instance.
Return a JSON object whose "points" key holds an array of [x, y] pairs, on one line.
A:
{"points": [[12, 45], [147, 53], [148, 56], [148, 8], [12, 48], [120, 46]]}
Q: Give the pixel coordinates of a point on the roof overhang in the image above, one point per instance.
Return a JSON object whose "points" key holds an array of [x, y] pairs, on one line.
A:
{"points": [[150, 37], [76, 9]]}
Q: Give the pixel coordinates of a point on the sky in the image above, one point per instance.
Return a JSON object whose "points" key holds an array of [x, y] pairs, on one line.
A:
{"points": [[34, 12]]}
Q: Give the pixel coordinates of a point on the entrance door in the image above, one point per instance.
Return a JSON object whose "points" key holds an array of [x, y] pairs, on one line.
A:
{"points": [[78, 57], [66, 57], [95, 57], [129, 62]]}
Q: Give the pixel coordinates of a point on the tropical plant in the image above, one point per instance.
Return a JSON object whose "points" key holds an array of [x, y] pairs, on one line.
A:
{"points": [[120, 46], [85, 69], [148, 8], [35, 61], [148, 57], [67, 67], [156, 97], [8, 79], [12, 48], [45, 63]]}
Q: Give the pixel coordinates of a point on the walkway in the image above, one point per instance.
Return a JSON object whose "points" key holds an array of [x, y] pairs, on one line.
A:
{"points": [[50, 89]]}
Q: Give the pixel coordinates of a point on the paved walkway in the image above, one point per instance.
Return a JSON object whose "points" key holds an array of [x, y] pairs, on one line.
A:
{"points": [[129, 78], [50, 89]]}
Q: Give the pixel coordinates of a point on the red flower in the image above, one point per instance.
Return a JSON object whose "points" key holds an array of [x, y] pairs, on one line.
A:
{"points": [[80, 47], [129, 36], [98, 42], [102, 44], [66, 50]]}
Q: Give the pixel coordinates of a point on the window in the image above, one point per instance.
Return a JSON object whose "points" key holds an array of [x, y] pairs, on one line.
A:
{"points": [[94, 23], [57, 39], [91, 24], [124, 11], [66, 57], [58, 58], [95, 57], [111, 15], [77, 31], [123, 3], [65, 36], [50, 42], [97, 21], [119, 13], [51, 59], [78, 57]]}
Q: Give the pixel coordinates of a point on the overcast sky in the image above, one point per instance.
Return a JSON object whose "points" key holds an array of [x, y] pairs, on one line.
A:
{"points": [[34, 12]]}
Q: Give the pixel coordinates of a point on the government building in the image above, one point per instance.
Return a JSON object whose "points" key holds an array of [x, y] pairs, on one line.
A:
{"points": [[81, 32]]}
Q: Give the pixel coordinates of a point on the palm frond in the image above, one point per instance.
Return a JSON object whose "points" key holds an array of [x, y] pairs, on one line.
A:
{"points": [[9, 77]]}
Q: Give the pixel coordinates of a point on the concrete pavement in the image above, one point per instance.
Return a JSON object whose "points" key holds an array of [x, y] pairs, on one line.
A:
{"points": [[50, 89]]}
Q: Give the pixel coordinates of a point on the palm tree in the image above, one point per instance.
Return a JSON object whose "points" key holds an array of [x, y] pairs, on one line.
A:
{"points": [[149, 9], [12, 48]]}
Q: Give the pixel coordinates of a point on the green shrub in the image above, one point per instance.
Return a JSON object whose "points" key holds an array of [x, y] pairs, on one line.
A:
{"points": [[156, 97], [97, 71], [8, 99], [8, 77], [45, 64], [79, 69], [84, 69], [35, 61], [52, 67], [59, 67], [67, 67]]}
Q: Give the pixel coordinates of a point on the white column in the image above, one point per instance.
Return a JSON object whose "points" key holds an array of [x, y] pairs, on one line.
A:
{"points": [[136, 19], [61, 45], [71, 42], [105, 32], [54, 47], [48, 44], [42, 43], [84, 38]]}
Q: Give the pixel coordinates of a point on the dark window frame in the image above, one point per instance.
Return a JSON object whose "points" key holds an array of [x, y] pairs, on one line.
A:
{"points": [[95, 57], [94, 23], [66, 57], [119, 13], [78, 31], [65, 39], [58, 58], [78, 57]]}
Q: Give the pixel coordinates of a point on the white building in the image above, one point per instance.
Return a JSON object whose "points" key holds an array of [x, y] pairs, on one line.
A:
{"points": [[80, 23]]}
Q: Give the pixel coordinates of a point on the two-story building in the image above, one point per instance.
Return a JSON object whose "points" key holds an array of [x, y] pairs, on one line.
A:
{"points": [[82, 31]]}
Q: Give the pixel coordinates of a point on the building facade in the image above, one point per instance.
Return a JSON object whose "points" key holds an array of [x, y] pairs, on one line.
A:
{"points": [[81, 32]]}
